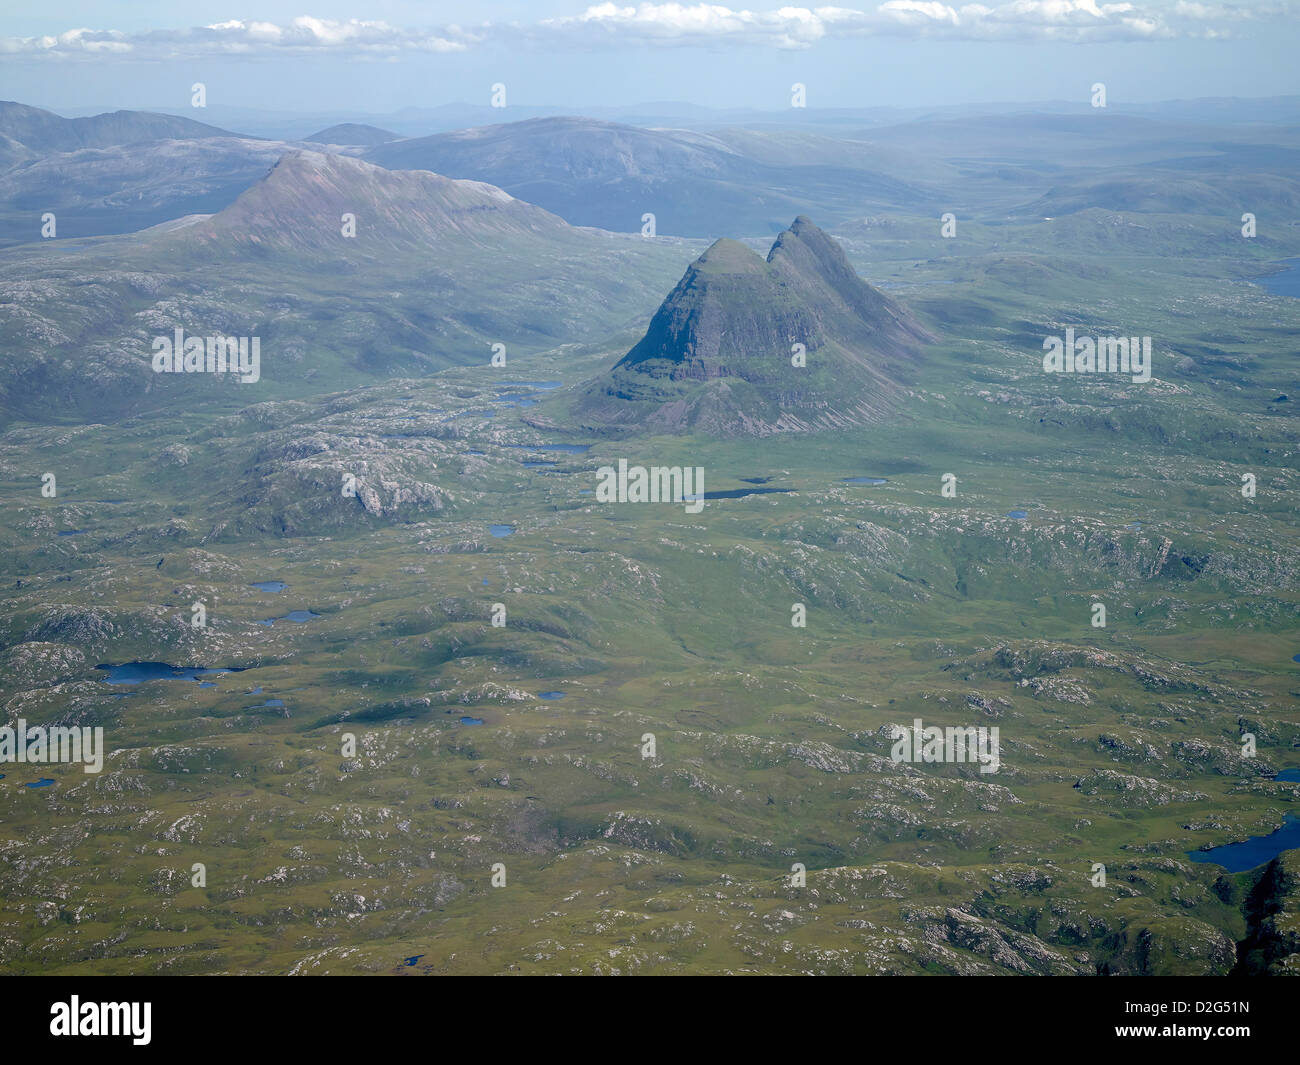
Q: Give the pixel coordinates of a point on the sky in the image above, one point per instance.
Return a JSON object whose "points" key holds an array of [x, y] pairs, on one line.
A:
{"points": [[381, 56]]}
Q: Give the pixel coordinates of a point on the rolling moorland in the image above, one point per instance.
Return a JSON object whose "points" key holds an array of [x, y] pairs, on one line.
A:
{"points": [[522, 745]]}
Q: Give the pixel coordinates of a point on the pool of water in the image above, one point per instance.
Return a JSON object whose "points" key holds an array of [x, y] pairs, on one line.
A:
{"points": [[293, 615], [528, 384], [1249, 853], [270, 586], [73, 532], [539, 465], [139, 672], [1019, 515], [44, 782], [1286, 283], [550, 695], [1291, 775], [864, 480], [501, 530], [740, 493], [566, 449], [471, 721]]}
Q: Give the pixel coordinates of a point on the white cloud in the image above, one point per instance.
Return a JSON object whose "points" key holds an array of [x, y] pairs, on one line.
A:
{"points": [[676, 25]]}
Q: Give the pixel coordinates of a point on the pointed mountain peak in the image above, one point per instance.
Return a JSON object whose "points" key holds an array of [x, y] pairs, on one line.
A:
{"points": [[717, 356], [728, 256], [808, 250]]}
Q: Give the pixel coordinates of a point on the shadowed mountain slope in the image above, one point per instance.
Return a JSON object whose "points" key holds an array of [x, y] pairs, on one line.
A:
{"points": [[721, 354]]}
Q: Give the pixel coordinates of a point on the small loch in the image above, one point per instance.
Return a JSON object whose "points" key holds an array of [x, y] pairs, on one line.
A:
{"points": [[1249, 853]]}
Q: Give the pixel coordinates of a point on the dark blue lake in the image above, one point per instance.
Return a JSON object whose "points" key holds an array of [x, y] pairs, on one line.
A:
{"points": [[538, 465], [471, 721], [739, 493], [270, 586], [1290, 775], [1286, 283], [501, 530], [1249, 853], [864, 480], [551, 695], [293, 615], [44, 782], [139, 672]]}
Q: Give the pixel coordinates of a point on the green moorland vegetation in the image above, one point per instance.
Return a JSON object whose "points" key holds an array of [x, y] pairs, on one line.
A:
{"points": [[1119, 745]]}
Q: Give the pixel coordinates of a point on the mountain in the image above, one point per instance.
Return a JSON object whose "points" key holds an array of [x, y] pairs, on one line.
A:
{"points": [[437, 273], [125, 188], [603, 174], [718, 356], [301, 203], [118, 172], [352, 133], [38, 132]]}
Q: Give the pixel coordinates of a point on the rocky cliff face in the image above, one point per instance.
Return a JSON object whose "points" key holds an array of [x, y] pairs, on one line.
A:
{"points": [[722, 354], [1273, 915]]}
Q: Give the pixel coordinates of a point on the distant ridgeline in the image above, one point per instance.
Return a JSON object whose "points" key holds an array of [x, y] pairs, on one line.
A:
{"points": [[744, 346]]}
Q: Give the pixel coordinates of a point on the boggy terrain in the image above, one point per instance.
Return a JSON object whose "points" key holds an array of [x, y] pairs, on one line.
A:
{"points": [[524, 746], [448, 712]]}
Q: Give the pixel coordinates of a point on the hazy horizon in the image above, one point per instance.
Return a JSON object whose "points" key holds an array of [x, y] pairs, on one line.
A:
{"points": [[900, 53]]}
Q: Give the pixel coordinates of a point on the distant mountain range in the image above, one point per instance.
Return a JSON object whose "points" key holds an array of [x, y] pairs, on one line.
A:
{"points": [[30, 132], [125, 171], [747, 346], [352, 133], [695, 184]]}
